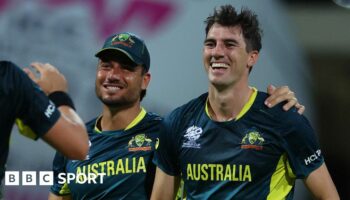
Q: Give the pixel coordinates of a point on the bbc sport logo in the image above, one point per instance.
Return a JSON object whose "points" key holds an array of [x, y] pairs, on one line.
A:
{"points": [[45, 178]]}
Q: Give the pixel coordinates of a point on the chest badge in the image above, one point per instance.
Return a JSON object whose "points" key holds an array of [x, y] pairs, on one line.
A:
{"points": [[252, 140], [140, 142], [192, 135]]}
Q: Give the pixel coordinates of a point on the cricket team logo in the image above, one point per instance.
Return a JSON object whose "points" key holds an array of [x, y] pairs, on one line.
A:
{"points": [[123, 39], [140, 142], [192, 135], [252, 140]]}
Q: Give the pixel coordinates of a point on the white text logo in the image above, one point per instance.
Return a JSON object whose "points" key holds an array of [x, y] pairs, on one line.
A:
{"points": [[313, 157], [192, 134], [49, 110], [47, 177]]}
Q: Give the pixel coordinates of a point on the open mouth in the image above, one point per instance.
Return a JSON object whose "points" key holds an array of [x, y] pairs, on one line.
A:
{"points": [[219, 66], [112, 88]]}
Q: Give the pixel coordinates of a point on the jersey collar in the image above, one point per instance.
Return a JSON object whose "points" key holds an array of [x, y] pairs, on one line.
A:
{"points": [[134, 122], [245, 108]]}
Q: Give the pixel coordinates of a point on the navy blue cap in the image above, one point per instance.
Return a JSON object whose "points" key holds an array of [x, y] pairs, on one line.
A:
{"points": [[129, 44]]}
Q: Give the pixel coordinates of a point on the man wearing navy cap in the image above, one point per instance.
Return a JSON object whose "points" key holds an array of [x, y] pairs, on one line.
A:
{"points": [[124, 137]]}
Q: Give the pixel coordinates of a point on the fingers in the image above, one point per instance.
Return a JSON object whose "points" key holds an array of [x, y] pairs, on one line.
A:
{"points": [[271, 89], [301, 108], [50, 79], [291, 102], [41, 67], [30, 74], [51, 67], [278, 95]]}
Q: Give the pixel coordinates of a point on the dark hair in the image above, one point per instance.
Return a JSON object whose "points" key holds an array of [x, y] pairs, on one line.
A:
{"points": [[247, 20]]}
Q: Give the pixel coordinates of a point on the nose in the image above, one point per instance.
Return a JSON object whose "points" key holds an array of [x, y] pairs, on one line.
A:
{"points": [[115, 72], [218, 50], [111, 75]]}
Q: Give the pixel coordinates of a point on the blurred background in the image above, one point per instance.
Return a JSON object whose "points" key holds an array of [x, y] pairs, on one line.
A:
{"points": [[306, 46]]}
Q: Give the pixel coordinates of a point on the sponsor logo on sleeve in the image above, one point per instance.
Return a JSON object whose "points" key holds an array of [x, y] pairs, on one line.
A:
{"points": [[50, 109], [312, 157]]}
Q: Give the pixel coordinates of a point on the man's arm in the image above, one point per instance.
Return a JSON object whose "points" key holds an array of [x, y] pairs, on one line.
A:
{"points": [[320, 184], [68, 135], [165, 186]]}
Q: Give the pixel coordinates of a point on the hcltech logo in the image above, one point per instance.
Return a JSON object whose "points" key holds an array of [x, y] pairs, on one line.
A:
{"points": [[50, 109], [46, 178], [313, 157]]}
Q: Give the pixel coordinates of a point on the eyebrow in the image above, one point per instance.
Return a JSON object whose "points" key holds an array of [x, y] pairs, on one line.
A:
{"points": [[225, 40], [209, 40]]}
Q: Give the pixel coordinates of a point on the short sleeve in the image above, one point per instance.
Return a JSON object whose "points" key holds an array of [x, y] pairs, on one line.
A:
{"points": [[59, 166], [166, 154], [301, 145], [34, 109]]}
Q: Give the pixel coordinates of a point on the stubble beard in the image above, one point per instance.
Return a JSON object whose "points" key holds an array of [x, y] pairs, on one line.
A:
{"points": [[114, 103]]}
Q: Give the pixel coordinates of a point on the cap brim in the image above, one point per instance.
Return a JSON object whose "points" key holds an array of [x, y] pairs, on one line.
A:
{"points": [[105, 50]]}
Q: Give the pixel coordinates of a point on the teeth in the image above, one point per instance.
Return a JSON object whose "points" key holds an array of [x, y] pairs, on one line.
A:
{"points": [[113, 88], [214, 65]]}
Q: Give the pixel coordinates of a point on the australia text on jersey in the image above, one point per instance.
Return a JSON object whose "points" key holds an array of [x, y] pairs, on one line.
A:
{"points": [[115, 167]]}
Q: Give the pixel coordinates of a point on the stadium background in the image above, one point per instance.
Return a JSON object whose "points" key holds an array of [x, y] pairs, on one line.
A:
{"points": [[306, 45]]}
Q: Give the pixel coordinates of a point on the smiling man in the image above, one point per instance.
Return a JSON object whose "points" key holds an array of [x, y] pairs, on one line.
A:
{"points": [[227, 144], [123, 138]]}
